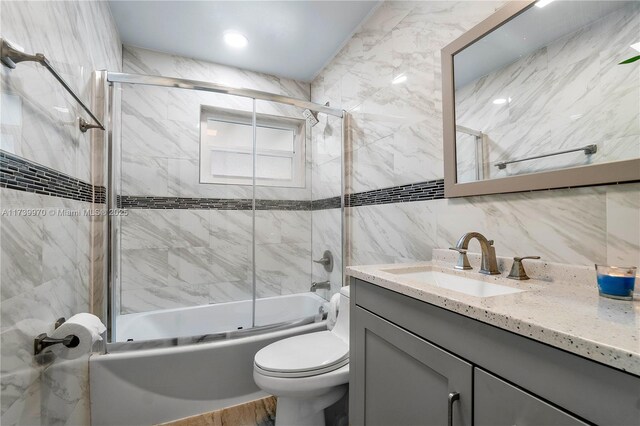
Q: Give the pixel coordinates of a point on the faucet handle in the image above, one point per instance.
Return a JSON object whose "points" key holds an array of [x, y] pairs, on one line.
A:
{"points": [[517, 269], [463, 260], [519, 259]]}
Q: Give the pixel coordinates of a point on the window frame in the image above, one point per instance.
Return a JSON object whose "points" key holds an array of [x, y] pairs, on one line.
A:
{"points": [[298, 155]]}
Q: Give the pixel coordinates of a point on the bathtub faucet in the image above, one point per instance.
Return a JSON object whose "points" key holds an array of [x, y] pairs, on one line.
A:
{"points": [[326, 285]]}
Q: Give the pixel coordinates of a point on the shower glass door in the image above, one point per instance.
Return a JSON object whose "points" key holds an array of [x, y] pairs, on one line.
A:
{"points": [[227, 202], [186, 181], [283, 213]]}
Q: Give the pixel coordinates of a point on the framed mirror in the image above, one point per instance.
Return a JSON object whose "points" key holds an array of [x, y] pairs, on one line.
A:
{"points": [[543, 95]]}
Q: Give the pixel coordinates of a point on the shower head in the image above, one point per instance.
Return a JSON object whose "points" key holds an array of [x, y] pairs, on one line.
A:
{"points": [[310, 116]]}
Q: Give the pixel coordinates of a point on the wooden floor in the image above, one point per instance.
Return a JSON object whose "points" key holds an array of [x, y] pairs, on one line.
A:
{"points": [[261, 412]]}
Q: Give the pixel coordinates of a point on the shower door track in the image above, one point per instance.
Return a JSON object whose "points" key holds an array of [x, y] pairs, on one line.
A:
{"points": [[206, 86]]}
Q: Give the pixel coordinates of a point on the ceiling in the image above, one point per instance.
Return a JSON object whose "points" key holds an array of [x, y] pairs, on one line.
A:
{"points": [[533, 29], [293, 39]]}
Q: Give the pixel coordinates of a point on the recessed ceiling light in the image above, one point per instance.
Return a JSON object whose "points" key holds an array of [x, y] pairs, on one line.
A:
{"points": [[543, 3], [235, 39], [499, 101], [399, 79]]}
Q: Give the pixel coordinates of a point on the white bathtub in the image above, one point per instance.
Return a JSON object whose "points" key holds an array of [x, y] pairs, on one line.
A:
{"points": [[148, 386], [216, 318]]}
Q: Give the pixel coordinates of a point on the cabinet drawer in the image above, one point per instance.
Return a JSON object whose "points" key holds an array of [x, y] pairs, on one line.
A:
{"points": [[497, 403]]}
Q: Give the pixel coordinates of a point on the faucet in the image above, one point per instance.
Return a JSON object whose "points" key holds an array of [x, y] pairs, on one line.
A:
{"points": [[326, 285], [489, 264]]}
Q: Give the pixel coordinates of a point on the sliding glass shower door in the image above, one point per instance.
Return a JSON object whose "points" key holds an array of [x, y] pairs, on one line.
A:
{"points": [[186, 182], [217, 231], [283, 212]]}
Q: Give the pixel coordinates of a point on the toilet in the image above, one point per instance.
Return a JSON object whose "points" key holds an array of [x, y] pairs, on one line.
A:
{"points": [[307, 373]]}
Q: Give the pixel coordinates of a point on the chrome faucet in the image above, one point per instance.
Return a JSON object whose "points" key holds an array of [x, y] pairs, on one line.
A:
{"points": [[326, 285], [489, 264]]}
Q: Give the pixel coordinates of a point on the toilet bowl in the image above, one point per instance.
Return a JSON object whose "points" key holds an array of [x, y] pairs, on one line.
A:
{"points": [[307, 373]]}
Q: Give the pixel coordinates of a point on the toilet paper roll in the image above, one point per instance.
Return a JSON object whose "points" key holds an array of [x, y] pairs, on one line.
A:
{"points": [[89, 330], [333, 310]]}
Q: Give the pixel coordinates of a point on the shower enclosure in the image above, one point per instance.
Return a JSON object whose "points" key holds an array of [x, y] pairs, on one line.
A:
{"points": [[226, 199]]}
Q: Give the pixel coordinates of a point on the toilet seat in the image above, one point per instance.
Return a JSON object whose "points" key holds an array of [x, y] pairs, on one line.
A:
{"points": [[303, 356]]}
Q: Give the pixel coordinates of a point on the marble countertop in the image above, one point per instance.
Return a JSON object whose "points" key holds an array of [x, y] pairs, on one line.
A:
{"points": [[560, 307]]}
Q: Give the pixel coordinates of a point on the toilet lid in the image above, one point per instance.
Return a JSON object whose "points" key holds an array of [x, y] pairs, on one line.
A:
{"points": [[305, 353]]}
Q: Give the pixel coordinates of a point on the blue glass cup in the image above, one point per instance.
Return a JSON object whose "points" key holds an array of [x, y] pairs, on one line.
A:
{"points": [[616, 282]]}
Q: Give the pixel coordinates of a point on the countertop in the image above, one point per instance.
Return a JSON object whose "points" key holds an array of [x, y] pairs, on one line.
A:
{"points": [[561, 308]]}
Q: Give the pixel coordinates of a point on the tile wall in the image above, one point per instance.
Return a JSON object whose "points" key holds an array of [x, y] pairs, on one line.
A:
{"points": [[47, 259], [396, 139]]}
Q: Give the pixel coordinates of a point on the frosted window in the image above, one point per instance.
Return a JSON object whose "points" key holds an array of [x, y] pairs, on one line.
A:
{"points": [[226, 149]]}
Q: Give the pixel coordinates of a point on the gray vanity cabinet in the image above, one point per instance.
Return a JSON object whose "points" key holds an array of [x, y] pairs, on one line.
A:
{"points": [[405, 380], [497, 403], [408, 356]]}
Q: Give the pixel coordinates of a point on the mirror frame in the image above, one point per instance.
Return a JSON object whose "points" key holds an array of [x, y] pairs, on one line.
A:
{"points": [[589, 175]]}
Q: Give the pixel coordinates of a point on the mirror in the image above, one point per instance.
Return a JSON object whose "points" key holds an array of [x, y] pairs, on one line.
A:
{"points": [[535, 97]]}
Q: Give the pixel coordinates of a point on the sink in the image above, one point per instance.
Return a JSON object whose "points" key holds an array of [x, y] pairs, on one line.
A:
{"points": [[457, 283]]}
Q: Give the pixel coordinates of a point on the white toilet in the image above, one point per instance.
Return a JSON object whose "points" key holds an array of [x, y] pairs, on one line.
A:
{"points": [[307, 373]]}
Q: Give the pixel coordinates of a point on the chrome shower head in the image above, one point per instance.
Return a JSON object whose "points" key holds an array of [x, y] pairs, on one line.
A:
{"points": [[311, 117]]}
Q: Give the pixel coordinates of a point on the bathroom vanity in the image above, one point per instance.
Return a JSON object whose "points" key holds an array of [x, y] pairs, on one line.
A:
{"points": [[551, 352]]}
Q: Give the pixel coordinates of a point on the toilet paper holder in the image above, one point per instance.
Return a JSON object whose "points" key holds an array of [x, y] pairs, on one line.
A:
{"points": [[43, 341]]}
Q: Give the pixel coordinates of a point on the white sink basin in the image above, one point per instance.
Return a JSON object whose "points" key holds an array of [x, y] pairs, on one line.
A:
{"points": [[457, 283]]}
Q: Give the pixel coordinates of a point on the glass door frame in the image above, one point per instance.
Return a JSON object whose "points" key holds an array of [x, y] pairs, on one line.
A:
{"points": [[111, 89]]}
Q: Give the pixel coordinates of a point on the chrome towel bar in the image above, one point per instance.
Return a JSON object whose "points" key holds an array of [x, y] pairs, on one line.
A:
{"points": [[11, 55], [588, 150]]}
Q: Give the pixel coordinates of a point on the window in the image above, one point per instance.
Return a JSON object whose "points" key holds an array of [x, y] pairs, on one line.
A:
{"points": [[226, 148]]}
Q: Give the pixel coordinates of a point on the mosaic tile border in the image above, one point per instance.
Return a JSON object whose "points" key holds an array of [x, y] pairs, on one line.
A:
{"points": [[431, 190], [421, 191], [326, 203], [135, 202], [23, 175]]}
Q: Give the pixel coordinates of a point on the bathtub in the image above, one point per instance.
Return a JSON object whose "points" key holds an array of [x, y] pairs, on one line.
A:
{"points": [[216, 318], [191, 360]]}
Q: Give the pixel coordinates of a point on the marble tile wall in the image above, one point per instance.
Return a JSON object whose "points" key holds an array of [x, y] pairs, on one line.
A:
{"points": [[568, 94], [180, 258], [396, 139], [188, 257], [47, 260], [161, 126]]}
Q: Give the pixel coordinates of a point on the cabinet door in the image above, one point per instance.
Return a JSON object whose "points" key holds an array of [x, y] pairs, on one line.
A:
{"points": [[400, 379], [498, 403]]}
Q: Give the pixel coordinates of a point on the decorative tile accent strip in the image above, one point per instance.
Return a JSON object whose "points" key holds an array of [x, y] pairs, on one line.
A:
{"points": [[134, 202], [422, 191], [99, 194], [326, 203], [432, 190], [283, 204], [23, 175]]}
